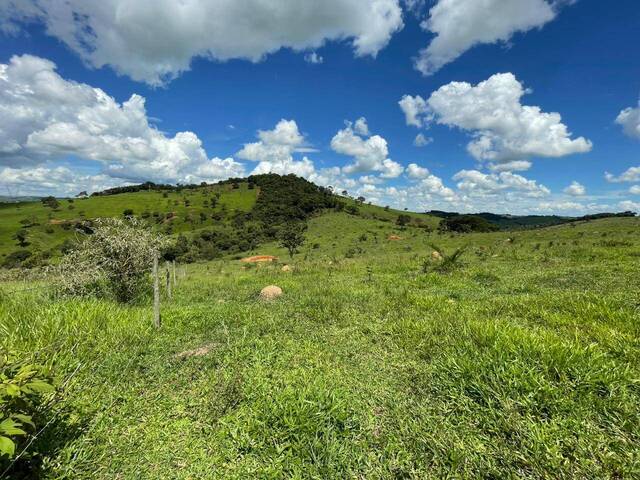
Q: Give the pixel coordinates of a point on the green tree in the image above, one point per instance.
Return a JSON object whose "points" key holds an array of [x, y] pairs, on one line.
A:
{"points": [[21, 237], [403, 220], [50, 202], [292, 237]]}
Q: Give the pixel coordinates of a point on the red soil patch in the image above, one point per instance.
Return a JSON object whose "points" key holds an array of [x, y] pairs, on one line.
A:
{"points": [[53, 221], [259, 258], [394, 237]]}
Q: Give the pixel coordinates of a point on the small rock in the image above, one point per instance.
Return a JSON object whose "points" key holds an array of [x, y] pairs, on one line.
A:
{"points": [[270, 293], [286, 268], [436, 256]]}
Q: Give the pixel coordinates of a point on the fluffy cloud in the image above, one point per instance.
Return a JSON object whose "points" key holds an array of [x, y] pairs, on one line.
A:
{"points": [[458, 25], [512, 166], [421, 140], [414, 109], [629, 205], [632, 174], [155, 40], [475, 183], [629, 118], [503, 129], [560, 207], [45, 117], [361, 127], [416, 172], [274, 151], [314, 58], [575, 189], [635, 190], [370, 154], [59, 180]]}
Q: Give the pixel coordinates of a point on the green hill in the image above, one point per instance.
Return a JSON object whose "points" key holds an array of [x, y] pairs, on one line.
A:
{"points": [[233, 216]]}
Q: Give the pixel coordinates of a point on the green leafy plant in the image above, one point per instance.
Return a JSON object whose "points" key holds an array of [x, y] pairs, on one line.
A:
{"points": [[292, 237], [23, 388], [446, 263], [114, 261]]}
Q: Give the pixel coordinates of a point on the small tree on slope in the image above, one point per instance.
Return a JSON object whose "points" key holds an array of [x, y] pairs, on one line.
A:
{"points": [[292, 237]]}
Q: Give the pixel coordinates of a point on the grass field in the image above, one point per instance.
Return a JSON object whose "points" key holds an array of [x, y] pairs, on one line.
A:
{"points": [[522, 363]]}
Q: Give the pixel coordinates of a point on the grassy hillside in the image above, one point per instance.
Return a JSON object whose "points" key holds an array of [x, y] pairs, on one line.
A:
{"points": [[49, 229], [522, 363], [188, 212]]}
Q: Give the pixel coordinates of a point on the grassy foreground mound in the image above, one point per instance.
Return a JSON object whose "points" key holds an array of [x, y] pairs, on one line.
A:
{"points": [[524, 362]]}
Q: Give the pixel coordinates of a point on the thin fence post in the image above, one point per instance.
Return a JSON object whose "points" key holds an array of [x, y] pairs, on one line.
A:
{"points": [[174, 273], [156, 292], [168, 283]]}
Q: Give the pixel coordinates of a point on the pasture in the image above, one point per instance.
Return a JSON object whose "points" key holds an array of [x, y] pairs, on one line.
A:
{"points": [[522, 362]]}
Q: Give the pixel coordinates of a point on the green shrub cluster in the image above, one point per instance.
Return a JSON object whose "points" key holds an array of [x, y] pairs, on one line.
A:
{"points": [[23, 389]]}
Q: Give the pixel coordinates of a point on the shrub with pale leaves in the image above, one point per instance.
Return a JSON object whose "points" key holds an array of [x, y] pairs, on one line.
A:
{"points": [[114, 261]]}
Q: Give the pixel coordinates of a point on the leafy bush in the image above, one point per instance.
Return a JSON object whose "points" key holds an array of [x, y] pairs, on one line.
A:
{"points": [[466, 224], [114, 261], [23, 388], [446, 263], [292, 237], [403, 220], [15, 259]]}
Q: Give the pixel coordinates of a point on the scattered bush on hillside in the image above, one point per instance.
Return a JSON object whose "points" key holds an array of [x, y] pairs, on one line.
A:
{"points": [[113, 262], [23, 390], [292, 237], [466, 224], [50, 202], [352, 210], [403, 220], [446, 263], [16, 259], [21, 237]]}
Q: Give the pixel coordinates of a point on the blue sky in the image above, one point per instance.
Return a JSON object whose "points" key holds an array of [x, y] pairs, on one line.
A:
{"points": [[483, 82]]}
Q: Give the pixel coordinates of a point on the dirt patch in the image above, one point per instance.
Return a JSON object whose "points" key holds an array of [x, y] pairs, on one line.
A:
{"points": [[54, 221], [394, 237], [196, 352], [259, 258]]}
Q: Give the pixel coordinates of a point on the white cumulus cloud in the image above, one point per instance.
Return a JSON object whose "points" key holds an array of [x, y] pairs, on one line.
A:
{"points": [[370, 154], [476, 183], [503, 129], [421, 140], [458, 25], [59, 180], [629, 119], [632, 174], [155, 40], [414, 109], [416, 172], [274, 151], [44, 118], [575, 189]]}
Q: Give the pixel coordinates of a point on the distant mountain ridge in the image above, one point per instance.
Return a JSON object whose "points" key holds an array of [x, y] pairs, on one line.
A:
{"points": [[514, 222]]}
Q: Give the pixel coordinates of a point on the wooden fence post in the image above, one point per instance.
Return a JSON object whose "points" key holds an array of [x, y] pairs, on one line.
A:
{"points": [[168, 283], [174, 273], [156, 292]]}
